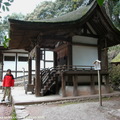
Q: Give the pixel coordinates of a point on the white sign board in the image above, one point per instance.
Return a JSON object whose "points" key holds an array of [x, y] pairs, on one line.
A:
{"points": [[97, 65]]}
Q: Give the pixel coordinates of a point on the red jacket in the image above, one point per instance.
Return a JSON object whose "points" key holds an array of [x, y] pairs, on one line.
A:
{"points": [[8, 81]]}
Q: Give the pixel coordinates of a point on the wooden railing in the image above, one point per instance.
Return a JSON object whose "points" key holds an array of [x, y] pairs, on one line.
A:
{"points": [[48, 76]]}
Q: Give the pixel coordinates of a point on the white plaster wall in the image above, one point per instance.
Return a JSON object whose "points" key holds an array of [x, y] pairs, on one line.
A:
{"points": [[48, 55], [49, 64], [84, 55], [22, 64]]}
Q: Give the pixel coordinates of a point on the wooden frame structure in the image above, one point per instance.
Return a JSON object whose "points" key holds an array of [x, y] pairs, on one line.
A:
{"points": [[57, 34]]}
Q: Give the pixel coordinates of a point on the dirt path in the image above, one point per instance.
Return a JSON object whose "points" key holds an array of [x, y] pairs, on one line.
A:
{"points": [[5, 112]]}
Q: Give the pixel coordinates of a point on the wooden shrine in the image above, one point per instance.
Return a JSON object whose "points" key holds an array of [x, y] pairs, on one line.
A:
{"points": [[77, 40]]}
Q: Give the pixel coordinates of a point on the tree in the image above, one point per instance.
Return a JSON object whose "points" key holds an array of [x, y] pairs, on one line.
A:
{"points": [[4, 27], [50, 9], [5, 5], [113, 10]]}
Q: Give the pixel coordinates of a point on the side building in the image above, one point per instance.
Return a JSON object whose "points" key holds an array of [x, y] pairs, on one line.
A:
{"points": [[17, 61]]}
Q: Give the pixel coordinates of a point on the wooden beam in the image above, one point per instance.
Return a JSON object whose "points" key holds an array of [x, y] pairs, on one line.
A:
{"points": [[54, 37], [60, 47], [89, 35], [32, 53], [75, 85], [37, 72], [84, 44]]}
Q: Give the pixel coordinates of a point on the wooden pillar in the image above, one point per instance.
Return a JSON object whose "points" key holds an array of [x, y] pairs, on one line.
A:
{"points": [[63, 85], [69, 60], [75, 85], [57, 85], [16, 62], [29, 71], [92, 84], [106, 58], [55, 59], [107, 84], [37, 72]]}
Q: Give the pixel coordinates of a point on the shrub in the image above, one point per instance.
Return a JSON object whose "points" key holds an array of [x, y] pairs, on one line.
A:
{"points": [[114, 74]]}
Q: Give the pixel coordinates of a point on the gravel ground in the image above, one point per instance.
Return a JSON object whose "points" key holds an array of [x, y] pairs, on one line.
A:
{"points": [[5, 112], [75, 111], [83, 110]]}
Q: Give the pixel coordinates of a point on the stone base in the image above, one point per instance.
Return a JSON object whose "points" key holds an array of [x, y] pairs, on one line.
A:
{"points": [[83, 90]]}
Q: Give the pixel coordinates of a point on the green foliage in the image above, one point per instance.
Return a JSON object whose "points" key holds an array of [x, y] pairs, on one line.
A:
{"points": [[6, 41], [112, 53], [116, 48], [113, 9], [3, 31], [114, 74], [114, 71], [100, 2], [4, 27], [48, 9], [14, 117], [5, 5], [116, 9]]}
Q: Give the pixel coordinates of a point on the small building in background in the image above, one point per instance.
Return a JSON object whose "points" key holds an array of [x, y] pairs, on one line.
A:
{"points": [[17, 61], [116, 60]]}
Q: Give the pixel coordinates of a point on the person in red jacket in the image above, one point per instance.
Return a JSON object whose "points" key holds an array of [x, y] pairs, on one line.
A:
{"points": [[8, 82]]}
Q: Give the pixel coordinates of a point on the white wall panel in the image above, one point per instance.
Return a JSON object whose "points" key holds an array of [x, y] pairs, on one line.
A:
{"points": [[84, 55]]}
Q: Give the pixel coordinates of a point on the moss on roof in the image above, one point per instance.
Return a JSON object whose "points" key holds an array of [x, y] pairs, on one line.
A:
{"points": [[116, 59], [71, 16]]}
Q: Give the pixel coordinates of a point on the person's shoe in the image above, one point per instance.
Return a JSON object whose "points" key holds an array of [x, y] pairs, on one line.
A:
{"points": [[7, 101], [2, 100]]}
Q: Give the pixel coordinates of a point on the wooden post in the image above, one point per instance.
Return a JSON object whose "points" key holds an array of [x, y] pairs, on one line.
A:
{"points": [[99, 87], [55, 59], [37, 71], [92, 85], [63, 85], [57, 86], [75, 91], [29, 71], [69, 60], [16, 61], [107, 84]]}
